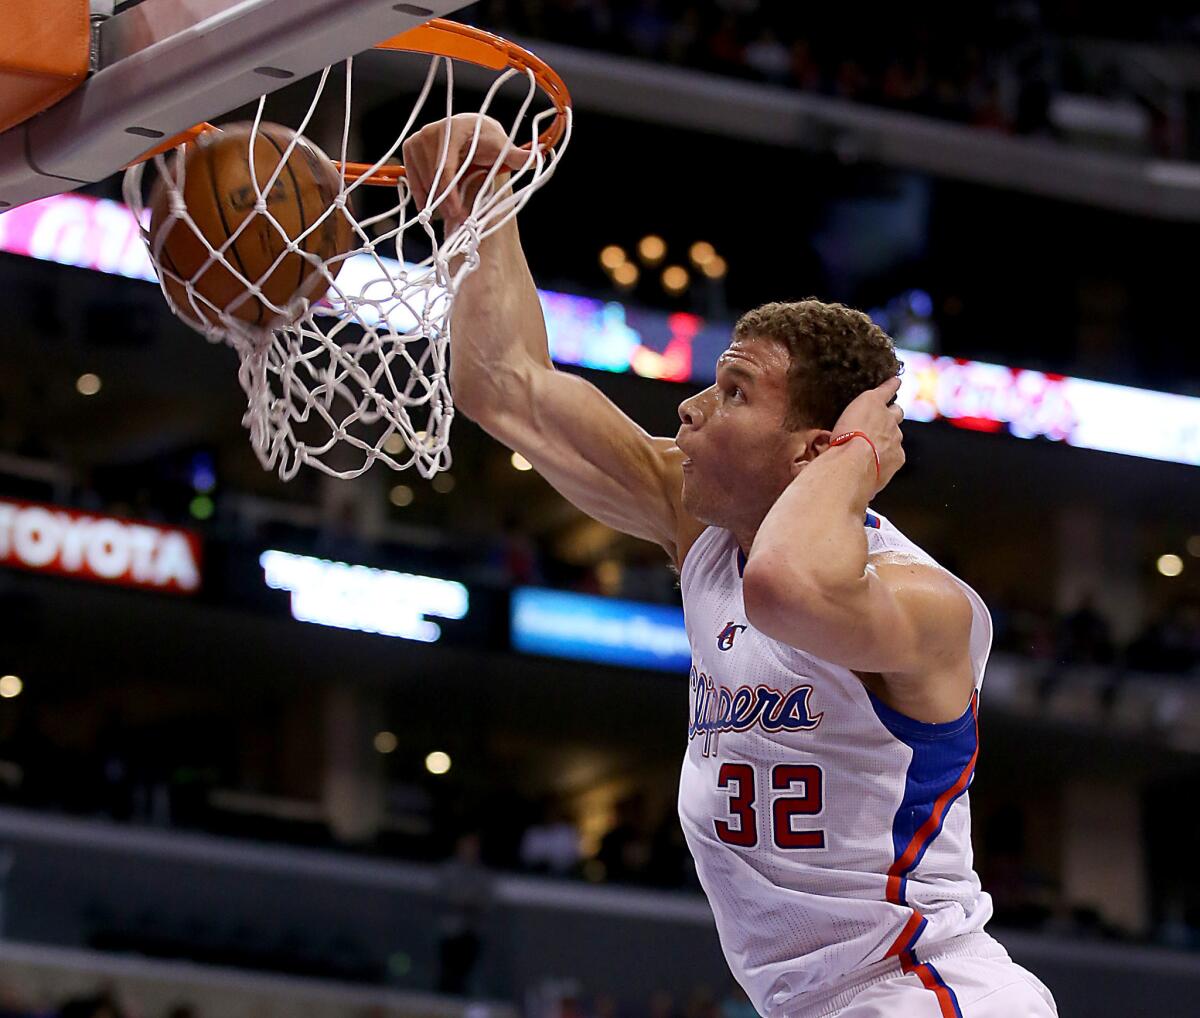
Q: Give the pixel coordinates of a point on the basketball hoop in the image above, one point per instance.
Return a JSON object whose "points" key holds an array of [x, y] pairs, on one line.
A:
{"points": [[365, 369]]}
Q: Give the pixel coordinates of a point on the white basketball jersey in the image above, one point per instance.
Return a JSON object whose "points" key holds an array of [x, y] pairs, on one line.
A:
{"points": [[829, 831]]}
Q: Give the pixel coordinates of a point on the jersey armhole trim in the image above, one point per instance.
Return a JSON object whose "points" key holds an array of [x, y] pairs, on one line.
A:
{"points": [[905, 728]]}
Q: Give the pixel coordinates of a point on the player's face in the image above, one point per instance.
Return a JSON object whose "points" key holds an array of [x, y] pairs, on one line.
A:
{"points": [[739, 453]]}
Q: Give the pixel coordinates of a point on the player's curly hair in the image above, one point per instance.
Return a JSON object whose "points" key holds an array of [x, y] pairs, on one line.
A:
{"points": [[836, 354]]}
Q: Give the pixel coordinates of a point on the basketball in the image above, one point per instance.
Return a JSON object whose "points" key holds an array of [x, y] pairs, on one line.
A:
{"points": [[218, 190]]}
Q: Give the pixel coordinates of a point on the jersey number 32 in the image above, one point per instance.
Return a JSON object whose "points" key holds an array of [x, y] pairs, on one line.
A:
{"points": [[741, 829]]}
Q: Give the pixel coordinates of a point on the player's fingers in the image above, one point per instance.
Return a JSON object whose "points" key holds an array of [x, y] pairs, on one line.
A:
{"points": [[445, 170], [416, 170], [515, 158]]}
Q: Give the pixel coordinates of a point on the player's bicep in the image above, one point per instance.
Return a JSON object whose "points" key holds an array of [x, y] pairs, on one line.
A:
{"points": [[898, 618], [594, 455]]}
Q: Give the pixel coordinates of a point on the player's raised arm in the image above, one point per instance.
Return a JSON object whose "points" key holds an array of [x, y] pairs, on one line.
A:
{"points": [[502, 376]]}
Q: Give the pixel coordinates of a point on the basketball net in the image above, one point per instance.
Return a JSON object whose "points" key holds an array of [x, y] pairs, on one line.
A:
{"points": [[366, 368]]}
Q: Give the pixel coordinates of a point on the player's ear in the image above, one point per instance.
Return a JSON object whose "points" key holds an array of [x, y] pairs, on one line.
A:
{"points": [[809, 445]]}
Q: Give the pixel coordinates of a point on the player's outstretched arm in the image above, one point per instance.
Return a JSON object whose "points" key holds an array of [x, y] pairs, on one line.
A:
{"points": [[502, 376]]}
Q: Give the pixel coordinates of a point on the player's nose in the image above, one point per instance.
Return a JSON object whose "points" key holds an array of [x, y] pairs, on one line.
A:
{"points": [[690, 412]]}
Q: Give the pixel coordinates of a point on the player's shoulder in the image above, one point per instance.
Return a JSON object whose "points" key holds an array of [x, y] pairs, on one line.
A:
{"points": [[886, 542]]}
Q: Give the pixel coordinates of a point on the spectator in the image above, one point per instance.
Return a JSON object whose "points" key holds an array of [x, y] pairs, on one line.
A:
{"points": [[768, 58], [1084, 636], [626, 850], [1171, 643], [551, 846], [466, 892], [101, 1005]]}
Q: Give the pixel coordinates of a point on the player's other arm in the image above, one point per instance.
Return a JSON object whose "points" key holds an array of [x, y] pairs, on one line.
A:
{"points": [[502, 376], [808, 581]]}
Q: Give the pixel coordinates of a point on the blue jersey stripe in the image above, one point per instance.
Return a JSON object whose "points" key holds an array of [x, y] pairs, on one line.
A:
{"points": [[938, 773]]}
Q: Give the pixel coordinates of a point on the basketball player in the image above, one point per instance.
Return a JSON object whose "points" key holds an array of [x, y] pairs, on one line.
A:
{"points": [[836, 666]]}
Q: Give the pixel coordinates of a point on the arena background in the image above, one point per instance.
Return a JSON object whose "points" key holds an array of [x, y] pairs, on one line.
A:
{"points": [[210, 807]]}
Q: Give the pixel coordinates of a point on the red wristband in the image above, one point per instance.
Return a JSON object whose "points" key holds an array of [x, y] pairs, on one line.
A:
{"points": [[843, 439]]}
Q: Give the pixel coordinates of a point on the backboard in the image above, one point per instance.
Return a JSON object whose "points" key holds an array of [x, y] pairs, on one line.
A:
{"points": [[160, 66]]}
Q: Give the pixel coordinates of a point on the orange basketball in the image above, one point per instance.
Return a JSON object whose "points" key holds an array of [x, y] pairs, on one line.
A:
{"points": [[219, 194]]}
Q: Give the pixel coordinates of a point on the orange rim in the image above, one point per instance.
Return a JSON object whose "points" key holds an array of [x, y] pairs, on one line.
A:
{"points": [[439, 37]]}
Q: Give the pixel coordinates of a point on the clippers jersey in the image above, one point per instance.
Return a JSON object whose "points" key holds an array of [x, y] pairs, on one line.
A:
{"points": [[829, 831]]}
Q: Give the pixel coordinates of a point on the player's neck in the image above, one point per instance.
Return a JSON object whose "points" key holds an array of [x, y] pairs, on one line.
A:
{"points": [[744, 536]]}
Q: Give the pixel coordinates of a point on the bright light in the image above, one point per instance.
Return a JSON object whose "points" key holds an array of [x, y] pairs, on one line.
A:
{"points": [[57, 540], [358, 597], [652, 249], [204, 477], [1193, 545], [608, 574], [87, 385], [437, 762], [715, 267], [675, 279], [394, 444], [401, 495], [386, 742], [101, 235], [443, 484], [1170, 565], [202, 507], [701, 253], [625, 275], [612, 257], [519, 462], [10, 686]]}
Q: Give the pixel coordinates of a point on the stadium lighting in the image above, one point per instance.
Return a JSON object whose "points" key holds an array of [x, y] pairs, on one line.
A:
{"points": [[386, 742], [104, 236], [202, 507], [1170, 565], [675, 279], [394, 445], [612, 257], [519, 462], [10, 686], [400, 496], [625, 275], [715, 267], [652, 249], [437, 762], [1193, 545], [87, 384], [359, 597], [701, 253], [443, 484]]}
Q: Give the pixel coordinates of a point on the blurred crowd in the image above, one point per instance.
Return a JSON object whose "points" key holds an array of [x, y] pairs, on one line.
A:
{"points": [[554, 998], [1168, 644], [103, 1003], [998, 66]]}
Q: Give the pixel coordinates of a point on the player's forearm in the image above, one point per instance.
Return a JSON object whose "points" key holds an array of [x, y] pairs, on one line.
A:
{"points": [[497, 325], [812, 542]]}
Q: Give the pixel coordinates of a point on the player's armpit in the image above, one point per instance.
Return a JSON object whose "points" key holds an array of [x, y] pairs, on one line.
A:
{"points": [[910, 623], [591, 452]]}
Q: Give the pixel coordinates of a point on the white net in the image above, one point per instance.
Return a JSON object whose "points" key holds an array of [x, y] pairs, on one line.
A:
{"points": [[360, 376]]}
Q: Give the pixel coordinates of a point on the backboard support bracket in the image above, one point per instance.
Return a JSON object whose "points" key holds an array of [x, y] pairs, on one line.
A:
{"points": [[165, 65]]}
